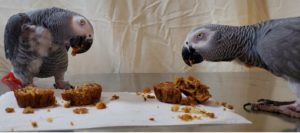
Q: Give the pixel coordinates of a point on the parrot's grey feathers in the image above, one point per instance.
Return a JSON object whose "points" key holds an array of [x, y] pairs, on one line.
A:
{"points": [[273, 45], [280, 49], [56, 20], [12, 33]]}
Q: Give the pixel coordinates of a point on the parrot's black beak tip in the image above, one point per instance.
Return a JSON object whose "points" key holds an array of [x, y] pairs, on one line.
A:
{"points": [[191, 58], [85, 46]]}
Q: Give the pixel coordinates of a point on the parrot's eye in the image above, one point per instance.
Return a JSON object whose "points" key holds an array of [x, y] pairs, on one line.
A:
{"points": [[200, 35], [82, 22]]}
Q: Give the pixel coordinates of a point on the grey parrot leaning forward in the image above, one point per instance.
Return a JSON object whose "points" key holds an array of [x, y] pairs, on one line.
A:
{"points": [[37, 42], [273, 45]]}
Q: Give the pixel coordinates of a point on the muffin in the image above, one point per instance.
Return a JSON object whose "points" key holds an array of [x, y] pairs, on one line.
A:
{"points": [[194, 88], [167, 92], [34, 97], [84, 94]]}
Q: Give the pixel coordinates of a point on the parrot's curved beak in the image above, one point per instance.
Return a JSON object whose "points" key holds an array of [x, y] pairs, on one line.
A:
{"points": [[190, 56], [80, 44]]}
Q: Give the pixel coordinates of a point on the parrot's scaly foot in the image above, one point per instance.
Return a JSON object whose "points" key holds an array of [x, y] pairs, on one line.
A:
{"points": [[288, 108], [63, 85]]}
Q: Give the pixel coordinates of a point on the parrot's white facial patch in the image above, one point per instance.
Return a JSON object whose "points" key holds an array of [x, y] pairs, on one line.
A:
{"points": [[82, 27], [200, 38]]}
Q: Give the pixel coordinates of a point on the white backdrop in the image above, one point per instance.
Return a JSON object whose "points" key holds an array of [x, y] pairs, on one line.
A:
{"points": [[145, 36]]}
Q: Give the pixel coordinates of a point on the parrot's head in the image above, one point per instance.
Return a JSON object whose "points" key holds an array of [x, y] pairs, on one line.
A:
{"points": [[83, 36], [206, 43]]}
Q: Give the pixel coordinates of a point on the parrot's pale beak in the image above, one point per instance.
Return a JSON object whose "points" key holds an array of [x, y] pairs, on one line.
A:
{"points": [[190, 56], [80, 45]]}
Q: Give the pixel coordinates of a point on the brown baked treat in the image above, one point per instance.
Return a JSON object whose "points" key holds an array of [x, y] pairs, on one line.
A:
{"points": [[194, 88], [34, 97], [167, 92], [85, 94]]}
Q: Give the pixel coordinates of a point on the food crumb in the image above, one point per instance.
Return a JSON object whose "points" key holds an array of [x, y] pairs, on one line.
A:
{"points": [[145, 99], [80, 110], [34, 124], [114, 97], [210, 115], [175, 108], [150, 97], [67, 104], [230, 107], [9, 110], [185, 117], [100, 105], [224, 109], [28, 110], [50, 120], [147, 90], [71, 123], [48, 110], [186, 109], [224, 104], [151, 119]]}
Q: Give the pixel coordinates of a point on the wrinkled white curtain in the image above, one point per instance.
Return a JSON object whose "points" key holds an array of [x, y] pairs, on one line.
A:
{"points": [[145, 36]]}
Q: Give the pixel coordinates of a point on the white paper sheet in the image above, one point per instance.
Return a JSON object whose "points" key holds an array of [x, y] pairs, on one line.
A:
{"points": [[129, 110]]}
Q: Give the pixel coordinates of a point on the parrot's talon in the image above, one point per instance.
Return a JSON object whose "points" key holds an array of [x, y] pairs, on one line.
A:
{"points": [[246, 105]]}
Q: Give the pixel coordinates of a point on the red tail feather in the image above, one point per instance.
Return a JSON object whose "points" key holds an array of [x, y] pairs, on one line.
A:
{"points": [[11, 81]]}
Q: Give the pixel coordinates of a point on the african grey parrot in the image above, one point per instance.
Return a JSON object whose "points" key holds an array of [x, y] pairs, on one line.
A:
{"points": [[273, 45], [37, 42]]}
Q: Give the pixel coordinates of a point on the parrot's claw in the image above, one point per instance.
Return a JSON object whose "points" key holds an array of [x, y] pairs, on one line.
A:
{"points": [[287, 108], [63, 85]]}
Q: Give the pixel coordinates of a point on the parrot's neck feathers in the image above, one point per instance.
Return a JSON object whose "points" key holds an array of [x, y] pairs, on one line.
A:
{"points": [[240, 42]]}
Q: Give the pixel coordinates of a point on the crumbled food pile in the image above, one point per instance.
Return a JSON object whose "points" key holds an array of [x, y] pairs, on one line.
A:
{"points": [[34, 124], [189, 110], [147, 90], [114, 97], [9, 110], [80, 110], [84, 94], [34, 97], [175, 108], [185, 117], [100, 105], [146, 94], [28, 110], [192, 88], [50, 120]]}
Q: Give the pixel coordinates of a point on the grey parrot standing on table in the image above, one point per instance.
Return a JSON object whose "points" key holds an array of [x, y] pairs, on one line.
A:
{"points": [[273, 45], [37, 42]]}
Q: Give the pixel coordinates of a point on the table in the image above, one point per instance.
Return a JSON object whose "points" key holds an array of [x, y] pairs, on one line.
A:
{"points": [[235, 88]]}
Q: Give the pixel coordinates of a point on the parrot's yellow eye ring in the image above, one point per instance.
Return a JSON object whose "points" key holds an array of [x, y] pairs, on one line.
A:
{"points": [[82, 21]]}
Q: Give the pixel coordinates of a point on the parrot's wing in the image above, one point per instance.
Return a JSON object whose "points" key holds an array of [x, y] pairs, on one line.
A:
{"points": [[13, 32], [280, 49]]}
